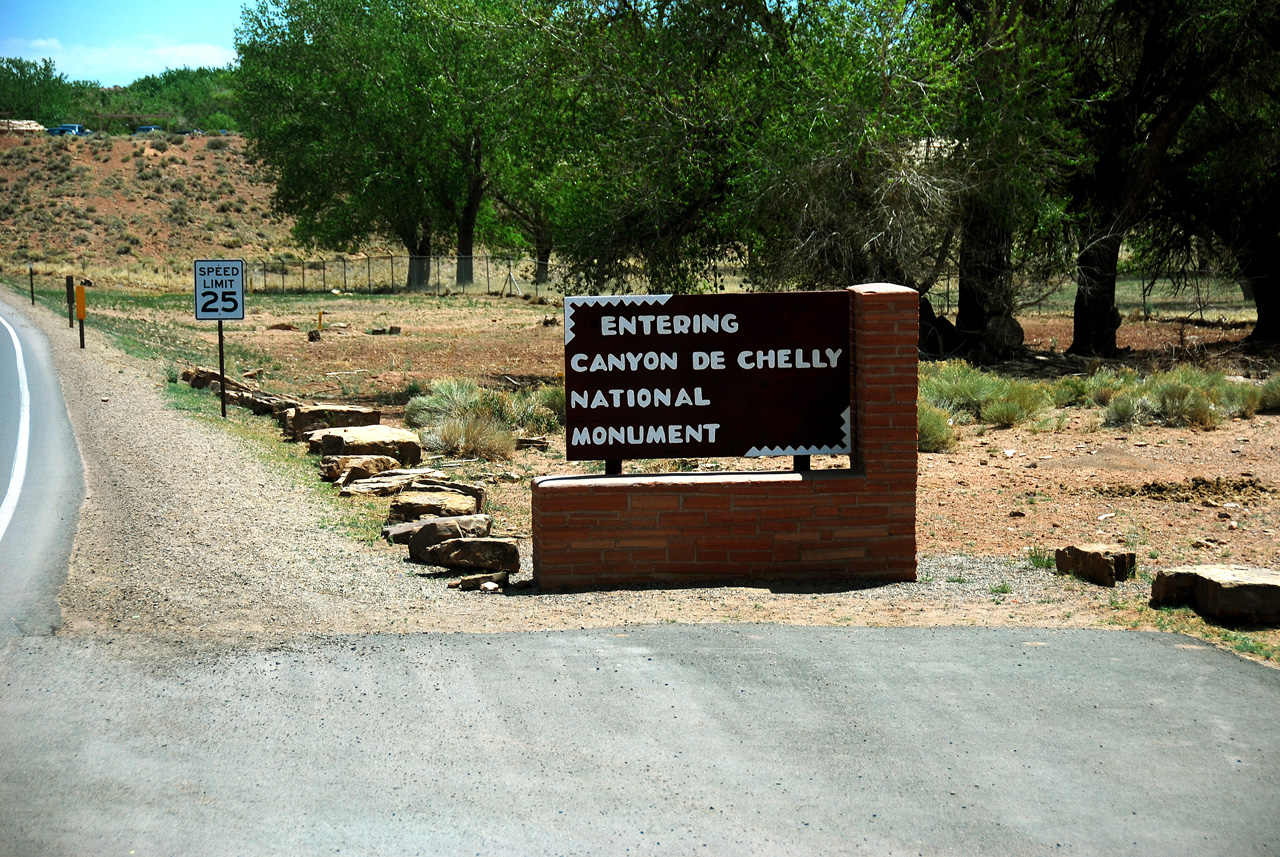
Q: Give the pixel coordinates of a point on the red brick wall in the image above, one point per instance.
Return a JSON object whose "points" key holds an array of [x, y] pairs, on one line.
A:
{"points": [[682, 529]]}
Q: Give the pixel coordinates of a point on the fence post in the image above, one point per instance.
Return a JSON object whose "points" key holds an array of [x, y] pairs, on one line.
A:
{"points": [[31, 272]]}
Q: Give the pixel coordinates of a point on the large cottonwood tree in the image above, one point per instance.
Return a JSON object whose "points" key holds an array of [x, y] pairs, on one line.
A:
{"points": [[376, 118]]}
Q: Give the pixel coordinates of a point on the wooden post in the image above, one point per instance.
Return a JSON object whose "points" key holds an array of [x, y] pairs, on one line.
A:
{"points": [[80, 311], [31, 272], [71, 301]]}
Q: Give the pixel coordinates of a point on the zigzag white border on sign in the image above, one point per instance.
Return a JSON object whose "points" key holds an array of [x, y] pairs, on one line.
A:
{"points": [[605, 300], [760, 451]]}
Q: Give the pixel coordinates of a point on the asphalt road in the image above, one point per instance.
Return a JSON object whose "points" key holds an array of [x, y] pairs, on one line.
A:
{"points": [[724, 740], [41, 481], [653, 740]]}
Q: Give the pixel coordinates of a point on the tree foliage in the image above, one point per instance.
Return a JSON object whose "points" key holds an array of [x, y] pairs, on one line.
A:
{"points": [[376, 118]]}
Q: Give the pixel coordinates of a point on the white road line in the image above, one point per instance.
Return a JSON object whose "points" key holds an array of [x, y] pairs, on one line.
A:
{"points": [[24, 436]]}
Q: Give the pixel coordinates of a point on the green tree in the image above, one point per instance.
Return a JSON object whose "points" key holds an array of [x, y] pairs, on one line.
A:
{"points": [[36, 90], [669, 99], [376, 118], [1222, 217], [1011, 146], [1141, 69]]}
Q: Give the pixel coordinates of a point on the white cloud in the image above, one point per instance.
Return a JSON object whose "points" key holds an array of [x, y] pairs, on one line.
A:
{"points": [[117, 65]]}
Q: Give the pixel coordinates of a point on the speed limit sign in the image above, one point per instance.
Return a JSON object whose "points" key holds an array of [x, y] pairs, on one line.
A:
{"points": [[219, 289]]}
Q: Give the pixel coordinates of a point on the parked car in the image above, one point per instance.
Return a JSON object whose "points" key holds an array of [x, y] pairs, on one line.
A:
{"points": [[147, 129], [72, 130]]}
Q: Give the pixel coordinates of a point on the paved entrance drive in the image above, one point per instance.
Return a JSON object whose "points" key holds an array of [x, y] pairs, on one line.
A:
{"points": [[722, 740]]}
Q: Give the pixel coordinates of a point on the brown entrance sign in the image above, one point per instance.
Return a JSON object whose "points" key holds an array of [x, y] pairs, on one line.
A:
{"points": [[673, 376]]}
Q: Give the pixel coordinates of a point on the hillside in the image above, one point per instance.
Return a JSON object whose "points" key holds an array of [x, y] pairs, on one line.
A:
{"points": [[132, 210]]}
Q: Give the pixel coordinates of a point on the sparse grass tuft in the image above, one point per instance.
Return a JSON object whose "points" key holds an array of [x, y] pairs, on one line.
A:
{"points": [[935, 432], [1038, 557]]}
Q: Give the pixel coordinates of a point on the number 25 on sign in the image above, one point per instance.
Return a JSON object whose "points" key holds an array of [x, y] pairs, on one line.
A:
{"points": [[219, 296]]}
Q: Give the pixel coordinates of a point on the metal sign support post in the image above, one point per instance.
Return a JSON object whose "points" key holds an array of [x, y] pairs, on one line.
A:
{"points": [[71, 301], [222, 372]]}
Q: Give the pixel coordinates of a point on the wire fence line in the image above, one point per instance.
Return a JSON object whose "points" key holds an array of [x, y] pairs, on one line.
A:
{"points": [[490, 273]]}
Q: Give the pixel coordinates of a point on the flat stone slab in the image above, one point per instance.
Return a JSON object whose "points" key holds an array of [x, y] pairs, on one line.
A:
{"points": [[1102, 564], [415, 505], [1231, 592], [400, 444], [307, 418]]}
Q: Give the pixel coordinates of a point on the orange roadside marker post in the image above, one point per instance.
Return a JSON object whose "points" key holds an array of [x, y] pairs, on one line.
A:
{"points": [[80, 311]]}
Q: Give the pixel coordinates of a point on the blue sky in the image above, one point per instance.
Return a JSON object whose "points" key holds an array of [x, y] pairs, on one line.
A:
{"points": [[115, 42]]}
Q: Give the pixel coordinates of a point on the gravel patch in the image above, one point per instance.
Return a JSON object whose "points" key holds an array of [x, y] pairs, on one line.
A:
{"points": [[189, 530]]}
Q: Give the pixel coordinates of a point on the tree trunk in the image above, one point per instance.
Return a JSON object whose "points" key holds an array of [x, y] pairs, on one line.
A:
{"points": [[1096, 317], [984, 315], [470, 211], [542, 263], [1261, 266], [420, 266]]}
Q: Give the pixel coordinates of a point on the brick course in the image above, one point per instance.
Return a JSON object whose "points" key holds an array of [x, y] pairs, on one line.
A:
{"points": [[593, 532]]}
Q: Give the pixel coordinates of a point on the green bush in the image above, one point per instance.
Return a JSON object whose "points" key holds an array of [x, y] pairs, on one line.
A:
{"points": [[1070, 391], [1015, 402], [954, 385], [935, 432], [216, 144], [1179, 404], [1269, 395], [1122, 411]]}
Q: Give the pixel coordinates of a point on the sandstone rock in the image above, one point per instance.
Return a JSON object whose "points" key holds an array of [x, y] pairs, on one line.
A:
{"points": [[400, 444], [477, 581], [334, 468], [413, 505], [429, 483], [493, 554], [396, 481], [202, 376], [308, 418], [1097, 563], [1230, 592], [433, 531]]}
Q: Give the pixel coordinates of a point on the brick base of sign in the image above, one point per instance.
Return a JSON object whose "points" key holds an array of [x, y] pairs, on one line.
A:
{"points": [[593, 532], [721, 528]]}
